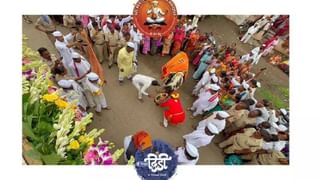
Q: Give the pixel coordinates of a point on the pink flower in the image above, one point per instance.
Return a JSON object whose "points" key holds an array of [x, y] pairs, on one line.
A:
{"points": [[25, 61], [107, 162], [89, 157], [52, 89], [28, 74]]}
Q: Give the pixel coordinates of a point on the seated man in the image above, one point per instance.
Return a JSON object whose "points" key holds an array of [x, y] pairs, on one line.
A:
{"points": [[155, 15]]}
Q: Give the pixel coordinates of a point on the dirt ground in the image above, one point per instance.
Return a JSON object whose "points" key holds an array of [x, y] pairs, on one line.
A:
{"points": [[128, 115]]}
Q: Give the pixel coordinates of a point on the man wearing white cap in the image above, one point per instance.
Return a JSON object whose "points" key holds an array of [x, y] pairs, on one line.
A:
{"points": [[218, 118], [64, 47], [95, 85], [79, 68], [204, 80], [126, 62], [202, 137], [187, 155], [72, 91], [213, 80], [206, 100]]}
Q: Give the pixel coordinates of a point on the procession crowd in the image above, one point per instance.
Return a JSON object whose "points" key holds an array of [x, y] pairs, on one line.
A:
{"points": [[250, 130]]}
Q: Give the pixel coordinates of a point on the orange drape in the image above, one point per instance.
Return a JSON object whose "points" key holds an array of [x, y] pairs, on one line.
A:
{"points": [[92, 58], [179, 63]]}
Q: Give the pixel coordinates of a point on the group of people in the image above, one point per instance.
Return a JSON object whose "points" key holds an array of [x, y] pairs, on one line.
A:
{"points": [[251, 128]]}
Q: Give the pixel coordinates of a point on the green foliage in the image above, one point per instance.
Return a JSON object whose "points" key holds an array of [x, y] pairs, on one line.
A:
{"points": [[284, 91], [276, 100], [51, 159]]}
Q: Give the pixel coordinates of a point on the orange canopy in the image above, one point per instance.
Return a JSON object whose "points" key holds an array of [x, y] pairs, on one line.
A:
{"points": [[179, 63]]}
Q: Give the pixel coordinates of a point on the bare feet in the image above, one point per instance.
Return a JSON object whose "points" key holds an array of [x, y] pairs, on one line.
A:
{"points": [[107, 108]]}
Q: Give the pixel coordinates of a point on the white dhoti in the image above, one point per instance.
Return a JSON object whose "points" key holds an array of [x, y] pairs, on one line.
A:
{"points": [[158, 20], [89, 98], [100, 102]]}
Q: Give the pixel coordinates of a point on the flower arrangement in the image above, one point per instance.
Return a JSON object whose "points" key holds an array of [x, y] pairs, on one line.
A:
{"points": [[54, 127], [99, 154]]}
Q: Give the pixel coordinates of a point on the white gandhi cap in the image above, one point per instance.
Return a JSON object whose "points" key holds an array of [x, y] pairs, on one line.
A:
{"points": [[65, 83], [223, 114], [57, 34], [212, 128], [192, 150], [92, 76], [130, 44]]}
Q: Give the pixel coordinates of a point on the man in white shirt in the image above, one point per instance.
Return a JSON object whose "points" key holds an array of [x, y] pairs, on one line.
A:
{"points": [[124, 20], [218, 118], [254, 55], [202, 137], [64, 47], [206, 100], [142, 83], [79, 69], [188, 26], [251, 31], [206, 77], [136, 38], [187, 155]]}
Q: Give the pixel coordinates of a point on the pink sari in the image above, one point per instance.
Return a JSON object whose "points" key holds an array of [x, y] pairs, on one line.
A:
{"points": [[146, 45], [85, 21]]}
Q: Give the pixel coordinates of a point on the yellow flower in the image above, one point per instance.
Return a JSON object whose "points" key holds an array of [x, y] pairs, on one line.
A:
{"points": [[74, 144], [50, 97], [50, 83], [82, 128], [61, 103], [90, 141], [82, 139]]}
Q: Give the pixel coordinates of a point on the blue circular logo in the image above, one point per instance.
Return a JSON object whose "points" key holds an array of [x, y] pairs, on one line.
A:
{"points": [[156, 163]]}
